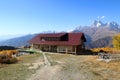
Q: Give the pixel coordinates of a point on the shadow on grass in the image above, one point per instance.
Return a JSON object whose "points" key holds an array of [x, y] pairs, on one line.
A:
{"points": [[87, 52]]}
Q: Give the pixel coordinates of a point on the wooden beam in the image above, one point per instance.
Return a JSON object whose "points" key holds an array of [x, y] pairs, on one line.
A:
{"points": [[66, 50], [49, 47], [57, 49], [40, 47], [32, 46], [75, 50]]}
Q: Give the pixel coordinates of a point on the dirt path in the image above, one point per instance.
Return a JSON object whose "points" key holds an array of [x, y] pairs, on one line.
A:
{"points": [[56, 72], [71, 67], [46, 72]]}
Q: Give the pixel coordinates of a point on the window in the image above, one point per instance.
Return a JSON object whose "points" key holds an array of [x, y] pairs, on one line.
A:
{"points": [[50, 39]]}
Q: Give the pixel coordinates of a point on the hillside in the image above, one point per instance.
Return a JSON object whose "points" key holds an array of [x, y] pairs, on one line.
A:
{"points": [[103, 42], [18, 41], [99, 34]]}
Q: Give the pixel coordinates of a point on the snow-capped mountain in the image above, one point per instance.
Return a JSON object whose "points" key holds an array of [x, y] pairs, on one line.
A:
{"points": [[99, 30], [97, 24], [113, 25], [109, 24]]}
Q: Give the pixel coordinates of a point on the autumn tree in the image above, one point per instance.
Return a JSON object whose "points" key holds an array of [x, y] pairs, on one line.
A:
{"points": [[116, 41]]}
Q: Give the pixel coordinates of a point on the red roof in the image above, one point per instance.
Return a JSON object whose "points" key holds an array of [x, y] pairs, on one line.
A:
{"points": [[52, 35], [73, 39]]}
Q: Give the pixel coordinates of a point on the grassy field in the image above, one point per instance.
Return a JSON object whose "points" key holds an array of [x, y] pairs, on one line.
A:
{"points": [[19, 71], [84, 68], [63, 67]]}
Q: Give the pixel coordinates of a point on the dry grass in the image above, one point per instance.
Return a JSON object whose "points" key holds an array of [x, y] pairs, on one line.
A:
{"points": [[19, 71], [85, 68], [64, 67], [107, 71]]}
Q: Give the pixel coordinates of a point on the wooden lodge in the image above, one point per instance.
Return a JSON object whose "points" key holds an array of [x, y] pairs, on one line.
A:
{"points": [[59, 42]]}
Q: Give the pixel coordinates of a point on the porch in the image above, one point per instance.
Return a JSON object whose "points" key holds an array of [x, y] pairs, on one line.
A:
{"points": [[57, 48]]}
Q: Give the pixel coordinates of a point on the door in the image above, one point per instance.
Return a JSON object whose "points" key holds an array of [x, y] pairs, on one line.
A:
{"points": [[54, 48]]}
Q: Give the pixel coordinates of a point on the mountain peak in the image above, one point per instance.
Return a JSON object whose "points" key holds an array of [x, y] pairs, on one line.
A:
{"points": [[113, 25], [97, 24], [78, 28]]}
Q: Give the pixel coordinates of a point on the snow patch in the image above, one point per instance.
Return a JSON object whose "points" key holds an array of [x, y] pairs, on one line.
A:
{"points": [[98, 24]]}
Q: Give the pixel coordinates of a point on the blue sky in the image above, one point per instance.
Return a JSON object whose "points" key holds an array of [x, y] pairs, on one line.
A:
{"points": [[34, 16]]}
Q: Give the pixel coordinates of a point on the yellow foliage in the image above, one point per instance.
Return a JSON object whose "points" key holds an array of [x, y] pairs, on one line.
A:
{"points": [[9, 52], [116, 41], [106, 49]]}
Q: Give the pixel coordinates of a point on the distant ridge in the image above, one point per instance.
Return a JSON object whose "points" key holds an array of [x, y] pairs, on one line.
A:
{"points": [[18, 41], [103, 42]]}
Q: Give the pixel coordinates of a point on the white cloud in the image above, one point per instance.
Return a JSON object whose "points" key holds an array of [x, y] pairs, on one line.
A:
{"points": [[70, 30], [98, 17], [102, 17]]}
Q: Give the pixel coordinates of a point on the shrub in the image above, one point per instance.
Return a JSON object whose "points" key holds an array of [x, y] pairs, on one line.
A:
{"points": [[4, 58], [9, 52], [10, 60], [106, 49], [116, 41]]}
